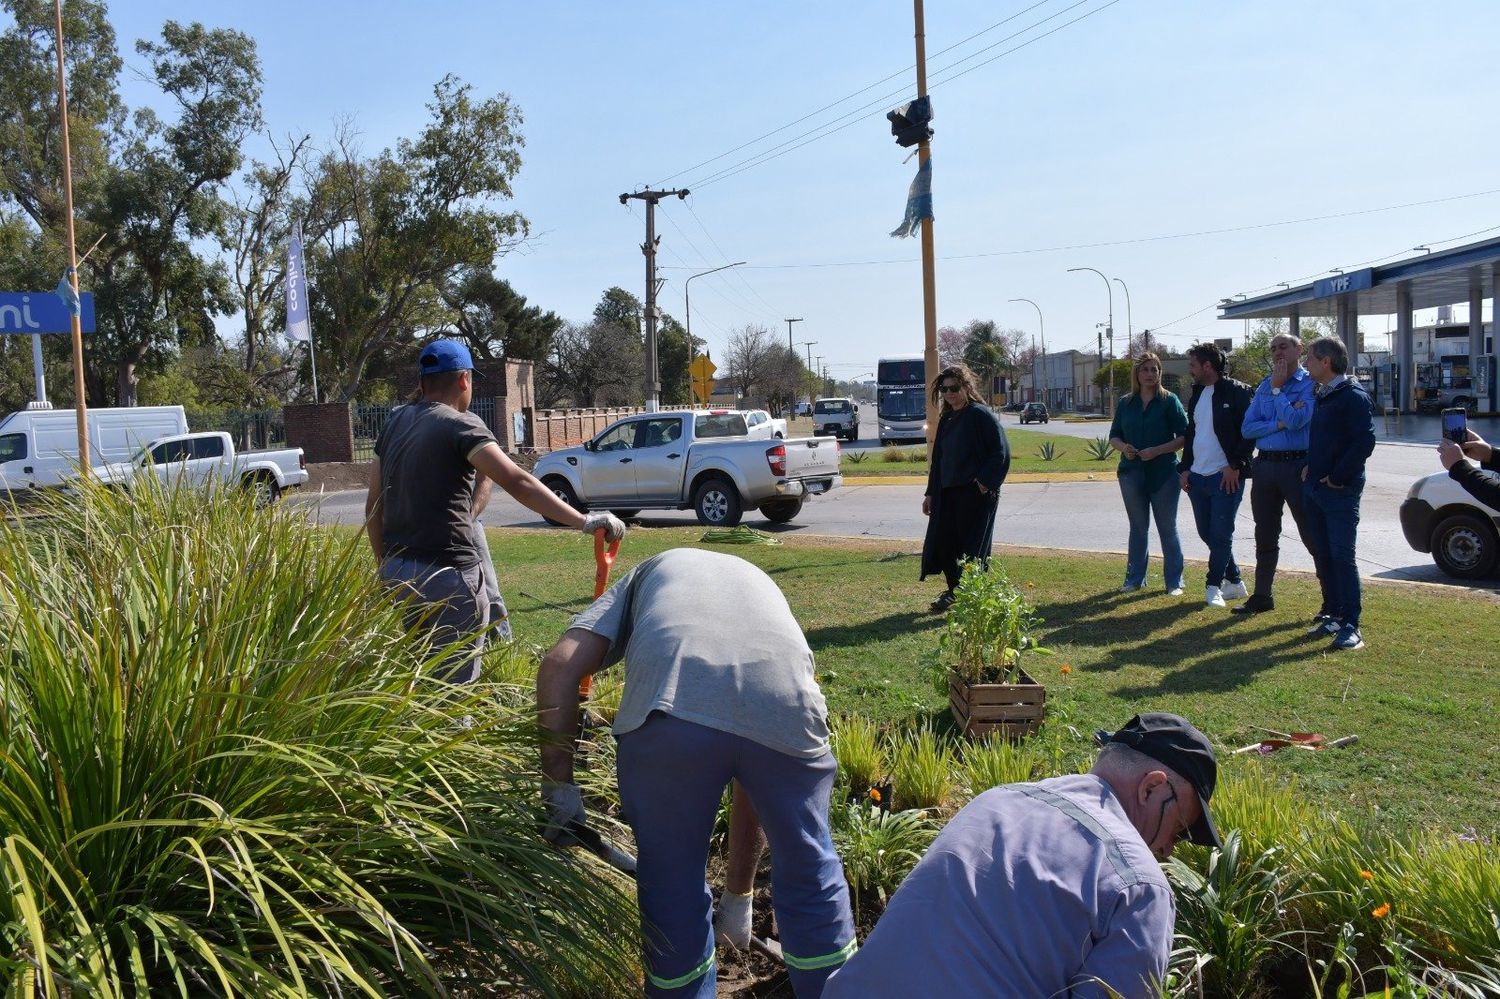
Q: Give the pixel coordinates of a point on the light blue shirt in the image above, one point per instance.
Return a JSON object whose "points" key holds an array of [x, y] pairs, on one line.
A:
{"points": [[1292, 407]]}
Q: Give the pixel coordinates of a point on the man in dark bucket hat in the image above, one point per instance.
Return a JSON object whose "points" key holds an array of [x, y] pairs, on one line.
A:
{"points": [[1051, 888]]}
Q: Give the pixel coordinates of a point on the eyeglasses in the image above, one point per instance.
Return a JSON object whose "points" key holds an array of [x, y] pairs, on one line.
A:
{"points": [[951, 388]]}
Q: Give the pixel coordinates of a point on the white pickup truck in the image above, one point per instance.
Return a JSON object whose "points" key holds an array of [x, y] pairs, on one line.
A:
{"points": [[208, 458], [682, 459]]}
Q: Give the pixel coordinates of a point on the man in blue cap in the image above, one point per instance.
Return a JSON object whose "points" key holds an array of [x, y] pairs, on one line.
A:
{"points": [[1052, 888], [420, 507]]}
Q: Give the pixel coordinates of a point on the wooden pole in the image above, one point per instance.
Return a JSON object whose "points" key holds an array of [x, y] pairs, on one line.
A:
{"points": [[85, 461], [929, 269]]}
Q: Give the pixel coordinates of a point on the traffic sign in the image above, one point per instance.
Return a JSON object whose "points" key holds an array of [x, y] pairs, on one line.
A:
{"points": [[702, 371]]}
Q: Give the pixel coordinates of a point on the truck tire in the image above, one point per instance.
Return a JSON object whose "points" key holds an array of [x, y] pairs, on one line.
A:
{"points": [[717, 503], [624, 514], [564, 492], [781, 511], [852, 436], [1464, 546], [263, 489]]}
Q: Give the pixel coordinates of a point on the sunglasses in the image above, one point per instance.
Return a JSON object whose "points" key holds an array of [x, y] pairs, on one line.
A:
{"points": [[951, 388]]}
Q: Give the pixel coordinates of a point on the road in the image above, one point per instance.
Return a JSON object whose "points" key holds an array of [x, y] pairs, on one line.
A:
{"points": [[1085, 516]]}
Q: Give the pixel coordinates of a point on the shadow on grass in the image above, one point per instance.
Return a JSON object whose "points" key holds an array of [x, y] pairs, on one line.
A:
{"points": [[881, 629], [1228, 670]]}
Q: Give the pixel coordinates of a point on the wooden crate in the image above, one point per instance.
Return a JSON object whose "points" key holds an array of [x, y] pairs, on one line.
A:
{"points": [[1013, 710]]}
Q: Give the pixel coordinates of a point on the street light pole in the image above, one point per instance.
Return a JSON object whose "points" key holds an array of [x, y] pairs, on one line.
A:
{"points": [[688, 309], [1109, 327], [1046, 375], [811, 375], [789, 334], [1129, 335]]}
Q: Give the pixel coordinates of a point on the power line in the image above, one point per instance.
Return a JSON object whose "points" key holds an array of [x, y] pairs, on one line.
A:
{"points": [[694, 212]]}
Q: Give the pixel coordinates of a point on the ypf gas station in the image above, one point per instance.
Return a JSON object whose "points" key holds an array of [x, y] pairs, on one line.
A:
{"points": [[1427, 367]]}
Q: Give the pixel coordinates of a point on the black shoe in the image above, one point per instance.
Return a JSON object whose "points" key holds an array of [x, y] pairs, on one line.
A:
{"points": [[943, 602], [1257, 604]]}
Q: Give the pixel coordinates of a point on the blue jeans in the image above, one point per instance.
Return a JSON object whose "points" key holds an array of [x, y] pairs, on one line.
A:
{"points": [[1213, 511], [1141, 505], [1332, 523], [672, 775]]}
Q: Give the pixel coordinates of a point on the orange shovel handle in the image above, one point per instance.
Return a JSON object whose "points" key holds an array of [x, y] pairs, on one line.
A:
{"points": [[604, 560]]}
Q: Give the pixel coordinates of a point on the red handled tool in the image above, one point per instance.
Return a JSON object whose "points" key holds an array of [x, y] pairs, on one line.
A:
{"points": [[604, 560]]}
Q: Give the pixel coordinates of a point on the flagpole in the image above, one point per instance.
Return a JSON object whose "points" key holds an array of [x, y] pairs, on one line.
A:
{"points": [[298, 316], [85, 461], [312, 359]]}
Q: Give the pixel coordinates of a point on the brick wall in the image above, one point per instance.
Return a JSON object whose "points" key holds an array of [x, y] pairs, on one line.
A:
{"points": [[552, 429], [323, 431]]}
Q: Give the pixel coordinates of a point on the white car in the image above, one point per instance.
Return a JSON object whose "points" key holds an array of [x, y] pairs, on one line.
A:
{"points": [[1462, 534], [763, 424]]}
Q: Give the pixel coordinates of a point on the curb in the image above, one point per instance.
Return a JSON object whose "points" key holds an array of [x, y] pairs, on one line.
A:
{"points": [[1025, 478]]}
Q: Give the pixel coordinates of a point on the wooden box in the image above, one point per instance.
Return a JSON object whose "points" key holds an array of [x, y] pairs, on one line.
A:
{"points": [[1013, 710]]}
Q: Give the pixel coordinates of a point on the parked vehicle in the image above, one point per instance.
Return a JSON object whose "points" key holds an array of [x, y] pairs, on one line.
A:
{"points": [[1462, 535], [802, 409], [39, 447], [691, 460], [209, 458], [1035, 412], [763, 424], [836, 417]]}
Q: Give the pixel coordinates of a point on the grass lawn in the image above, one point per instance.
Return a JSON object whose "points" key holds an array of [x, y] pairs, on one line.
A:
{"points": [[1025, 445], [1422, 696]]}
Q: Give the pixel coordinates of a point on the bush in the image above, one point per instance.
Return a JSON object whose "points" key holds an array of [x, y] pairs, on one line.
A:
{"points": [[856, 746], [922, 768], [226, 771], [988, 628]]}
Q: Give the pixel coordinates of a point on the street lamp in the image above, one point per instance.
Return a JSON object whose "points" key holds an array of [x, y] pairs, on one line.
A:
{"points": [[1046, 379], [688, 309], [1109, 327], [1129, 335]]}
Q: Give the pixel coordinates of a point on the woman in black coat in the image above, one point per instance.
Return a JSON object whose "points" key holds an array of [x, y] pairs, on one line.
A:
{"points": [[969, 461]]}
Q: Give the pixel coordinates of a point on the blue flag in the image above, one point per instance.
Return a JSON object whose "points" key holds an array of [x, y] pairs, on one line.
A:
{"points": [[918, 202], [68, 295], [297, 326]]}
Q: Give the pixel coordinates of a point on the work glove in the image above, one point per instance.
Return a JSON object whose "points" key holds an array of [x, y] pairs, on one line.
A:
{"points": [[564, 805], [732, 921], [612, 526]]}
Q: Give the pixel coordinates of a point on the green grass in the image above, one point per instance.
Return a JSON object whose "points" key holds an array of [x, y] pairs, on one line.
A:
{"points": [[1073, 456], [1421, 696]]}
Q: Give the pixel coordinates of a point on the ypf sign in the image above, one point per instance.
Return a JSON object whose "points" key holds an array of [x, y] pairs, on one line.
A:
{"points": [[27, 312]]}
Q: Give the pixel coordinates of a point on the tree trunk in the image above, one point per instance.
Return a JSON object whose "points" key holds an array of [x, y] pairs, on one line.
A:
{"points": [[125, 383]]}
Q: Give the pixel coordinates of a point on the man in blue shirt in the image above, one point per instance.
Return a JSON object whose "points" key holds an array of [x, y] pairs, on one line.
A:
{"points": [[1277, 420]]}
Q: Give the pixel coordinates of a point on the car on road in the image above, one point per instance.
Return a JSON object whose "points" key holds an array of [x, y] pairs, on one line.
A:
{"points": [[1035, 412], [762, 424], [39, 447], [1014, 407], [836, 418], [691, 460], [802, 409], [209, 458], [1440, 518]]}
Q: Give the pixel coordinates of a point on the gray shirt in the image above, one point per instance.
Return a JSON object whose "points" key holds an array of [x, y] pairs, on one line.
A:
{"points": [[427, 483], [709, 638], [1041, 889]]}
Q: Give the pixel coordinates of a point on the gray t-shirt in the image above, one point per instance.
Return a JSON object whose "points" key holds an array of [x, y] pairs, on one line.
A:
{"points": [[427, 483], [1041, 889], [709, 638]]}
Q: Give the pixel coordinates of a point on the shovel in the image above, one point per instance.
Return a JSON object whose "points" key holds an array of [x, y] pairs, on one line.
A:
{"points": [[604, 560]]}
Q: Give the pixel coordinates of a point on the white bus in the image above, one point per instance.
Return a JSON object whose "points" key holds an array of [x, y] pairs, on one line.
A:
{"points": [[901, 398]]}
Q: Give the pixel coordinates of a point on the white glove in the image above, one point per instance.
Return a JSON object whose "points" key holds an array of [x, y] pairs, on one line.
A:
{"points": [[612, 526], [564, 805], [732, 921]]}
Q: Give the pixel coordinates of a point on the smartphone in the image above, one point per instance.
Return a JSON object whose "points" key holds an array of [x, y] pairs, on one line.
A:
{"points": [[1456, 425]]}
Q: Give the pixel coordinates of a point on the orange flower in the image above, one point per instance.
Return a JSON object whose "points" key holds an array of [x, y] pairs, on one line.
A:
{"points": [[875, 795], [1066, 668], [1367, 875], [1381, 911]]}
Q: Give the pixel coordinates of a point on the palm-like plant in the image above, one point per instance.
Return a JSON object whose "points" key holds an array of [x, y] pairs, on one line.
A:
{"points": [[225, 771]]}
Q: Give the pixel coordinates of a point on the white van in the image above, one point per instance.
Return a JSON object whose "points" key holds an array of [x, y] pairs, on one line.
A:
{"points": [[39, 447]]}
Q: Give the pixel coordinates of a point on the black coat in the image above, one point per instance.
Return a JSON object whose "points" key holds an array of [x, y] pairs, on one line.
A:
{"points": [[1231, 400], [970, 447]]}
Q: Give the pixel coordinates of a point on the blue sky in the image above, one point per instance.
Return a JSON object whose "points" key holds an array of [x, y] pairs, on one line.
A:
{"points": [[1148, 118]]}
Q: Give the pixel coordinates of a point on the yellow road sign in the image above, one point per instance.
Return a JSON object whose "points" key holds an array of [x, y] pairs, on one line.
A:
{"points": [[702, 369]]}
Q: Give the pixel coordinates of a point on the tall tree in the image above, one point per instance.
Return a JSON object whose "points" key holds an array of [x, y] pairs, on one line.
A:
{"points": [[950, 345], [673, 355], [746, 359], [494, 318], [598, 364], [621, 308]]}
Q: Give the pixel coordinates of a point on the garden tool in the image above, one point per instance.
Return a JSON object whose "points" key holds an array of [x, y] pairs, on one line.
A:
{"points": [[604, 558]]}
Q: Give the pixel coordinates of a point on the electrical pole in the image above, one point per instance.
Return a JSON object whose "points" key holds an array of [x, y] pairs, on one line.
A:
{"points": [[653, 314], [929, 268], [812, 376], [789, 346]]}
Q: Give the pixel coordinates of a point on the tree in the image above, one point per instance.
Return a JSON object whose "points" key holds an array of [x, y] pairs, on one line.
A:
{"points": [[990, 351], [396, 228], [747, 356], [1114, 375], [673, 355], [784, 379], [950, 345], [1252, 361], [621, 308], [599, 364], [494, 318]]}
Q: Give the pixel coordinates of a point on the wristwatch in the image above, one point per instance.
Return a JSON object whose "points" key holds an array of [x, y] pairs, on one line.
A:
{"points": [[1275, 390]]}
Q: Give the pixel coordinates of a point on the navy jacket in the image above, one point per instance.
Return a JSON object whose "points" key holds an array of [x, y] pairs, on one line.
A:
{"points": [[1231, 400], [970, 446], [1341, 436]]}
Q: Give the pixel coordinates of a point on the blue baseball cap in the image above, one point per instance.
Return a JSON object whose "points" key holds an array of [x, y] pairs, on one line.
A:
{"points": [[444, 355]]}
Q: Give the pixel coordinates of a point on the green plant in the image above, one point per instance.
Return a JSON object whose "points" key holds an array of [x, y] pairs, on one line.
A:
{"points": [[1098, 449], [878, 848], [922, 768], [1048, 451], [988, 627], [856, 746], [857, 457], [991, 762], [916, 455], [227, 771], [892, 453]]}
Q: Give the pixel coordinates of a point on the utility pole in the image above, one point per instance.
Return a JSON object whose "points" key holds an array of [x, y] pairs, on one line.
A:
{"points": [[86, 462], [812, 376], [789, 347], [929, 268], [653, 314]]}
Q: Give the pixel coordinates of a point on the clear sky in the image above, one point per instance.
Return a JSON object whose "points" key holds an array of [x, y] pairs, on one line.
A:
{"points": [[1146, 118]]}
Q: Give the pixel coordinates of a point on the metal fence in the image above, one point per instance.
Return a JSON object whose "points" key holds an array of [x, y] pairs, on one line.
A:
{"points": [[251, 429], [369, 421]]}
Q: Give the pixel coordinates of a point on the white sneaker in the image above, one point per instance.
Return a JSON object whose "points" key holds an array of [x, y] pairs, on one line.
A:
{"points": [[1234, 591], [1175, 591], [1213, 596]]}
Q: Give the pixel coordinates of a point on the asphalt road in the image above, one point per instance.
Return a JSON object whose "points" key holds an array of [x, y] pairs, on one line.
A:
{"points": [[1085, 516]]}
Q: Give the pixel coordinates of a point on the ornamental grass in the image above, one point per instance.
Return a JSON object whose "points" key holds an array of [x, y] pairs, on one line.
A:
{"points": [[224, 770]]}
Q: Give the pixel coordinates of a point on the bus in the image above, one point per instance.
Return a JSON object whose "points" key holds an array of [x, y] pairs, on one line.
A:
{"points": [[901, 398]]}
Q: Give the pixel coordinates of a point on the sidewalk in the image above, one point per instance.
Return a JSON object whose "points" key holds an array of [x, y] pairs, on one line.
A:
{"points": [[1425, 428]]}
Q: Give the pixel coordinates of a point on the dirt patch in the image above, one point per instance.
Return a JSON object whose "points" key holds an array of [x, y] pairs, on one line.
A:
{"points": [[334, 476]]}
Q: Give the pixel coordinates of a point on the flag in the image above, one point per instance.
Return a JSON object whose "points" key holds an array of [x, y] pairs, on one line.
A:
{"points": [[918, 202], [297, 328], [68, 295]]}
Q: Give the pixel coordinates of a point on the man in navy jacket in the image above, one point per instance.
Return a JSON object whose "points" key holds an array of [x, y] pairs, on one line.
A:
{"points": [[1340, 440]]}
